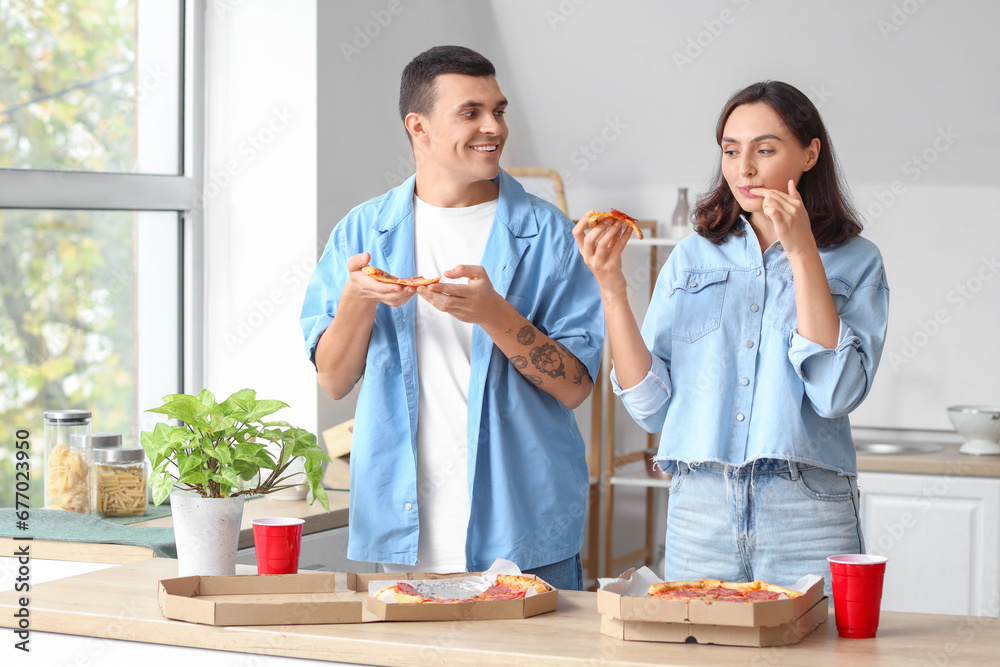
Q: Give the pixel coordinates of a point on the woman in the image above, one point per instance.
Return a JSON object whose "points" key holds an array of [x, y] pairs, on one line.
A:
{"points": [[763, 332]]}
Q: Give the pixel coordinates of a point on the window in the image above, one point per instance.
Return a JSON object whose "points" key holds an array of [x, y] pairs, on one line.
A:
{"points": [[100, 153]]}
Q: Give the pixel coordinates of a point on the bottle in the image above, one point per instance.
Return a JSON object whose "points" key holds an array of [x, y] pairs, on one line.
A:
{"points": [[680, 225], [67, 460], [119, 481]]}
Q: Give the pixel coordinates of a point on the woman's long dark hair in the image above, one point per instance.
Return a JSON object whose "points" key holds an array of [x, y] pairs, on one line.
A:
{"points": [[833, 218]]}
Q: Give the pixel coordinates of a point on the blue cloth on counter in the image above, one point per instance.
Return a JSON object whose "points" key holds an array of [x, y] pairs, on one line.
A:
{"points": [[63, 526]]}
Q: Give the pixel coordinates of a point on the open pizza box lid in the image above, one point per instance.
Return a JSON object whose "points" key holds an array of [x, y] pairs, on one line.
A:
{"points": [[271, 599], [477, 610], [625, 598]]}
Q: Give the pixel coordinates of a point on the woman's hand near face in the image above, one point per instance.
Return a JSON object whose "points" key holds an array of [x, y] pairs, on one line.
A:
{"points": [[601, 248], [790, 218]]}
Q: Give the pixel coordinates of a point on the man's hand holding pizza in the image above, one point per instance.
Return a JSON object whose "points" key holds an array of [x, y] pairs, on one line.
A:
{"points": [[361, 287]]}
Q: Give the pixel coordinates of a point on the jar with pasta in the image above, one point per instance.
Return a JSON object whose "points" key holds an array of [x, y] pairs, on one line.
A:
{"points": [[119, 476], [67, 460]]}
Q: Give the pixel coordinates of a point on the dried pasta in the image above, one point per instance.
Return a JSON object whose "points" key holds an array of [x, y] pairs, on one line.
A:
{"points": [[66, 480], [119, 490]]}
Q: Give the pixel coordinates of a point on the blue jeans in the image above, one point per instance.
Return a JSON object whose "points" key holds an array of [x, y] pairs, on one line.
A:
{"points": [[773, 520], [566, 574]]}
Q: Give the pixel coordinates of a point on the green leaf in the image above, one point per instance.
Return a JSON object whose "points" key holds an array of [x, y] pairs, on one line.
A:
{"points": [[162, 486], [206, 398], [188, 409]]}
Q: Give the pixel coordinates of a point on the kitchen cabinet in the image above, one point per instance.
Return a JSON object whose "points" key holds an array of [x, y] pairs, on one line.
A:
{"points": [[325, 551], [941, 530]]}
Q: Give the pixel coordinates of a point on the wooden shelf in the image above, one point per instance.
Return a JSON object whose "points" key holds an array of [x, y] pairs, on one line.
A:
{"points": [[640, 479]]}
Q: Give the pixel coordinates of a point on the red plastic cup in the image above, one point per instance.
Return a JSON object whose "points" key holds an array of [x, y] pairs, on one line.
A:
{"points": [[857, 593], [277, 541]]}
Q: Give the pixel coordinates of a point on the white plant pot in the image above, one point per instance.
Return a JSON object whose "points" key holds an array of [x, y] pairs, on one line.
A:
{"points": [[207, 533]]}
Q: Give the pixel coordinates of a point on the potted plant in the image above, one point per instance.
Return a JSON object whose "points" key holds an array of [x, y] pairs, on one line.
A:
{"points": [[219, 454]]}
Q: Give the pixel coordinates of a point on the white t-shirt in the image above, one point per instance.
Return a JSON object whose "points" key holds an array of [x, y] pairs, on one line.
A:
{"points": [[444, 238]]}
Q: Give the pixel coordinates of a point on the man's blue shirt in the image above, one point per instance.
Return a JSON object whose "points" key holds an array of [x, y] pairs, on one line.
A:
{"points": [[528, 475]]}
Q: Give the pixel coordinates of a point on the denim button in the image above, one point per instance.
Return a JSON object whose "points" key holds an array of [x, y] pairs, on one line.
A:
{"points": [[739, 417], [749, 343], [693, 285], [758, 272], [754, 307], [744, 381], [408, 506]]}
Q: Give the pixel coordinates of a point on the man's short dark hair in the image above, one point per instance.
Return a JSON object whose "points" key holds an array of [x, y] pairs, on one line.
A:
{"points": [[416, 89]]}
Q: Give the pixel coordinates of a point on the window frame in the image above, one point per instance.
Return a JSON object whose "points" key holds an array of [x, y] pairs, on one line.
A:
{"points": [[77, 190]]}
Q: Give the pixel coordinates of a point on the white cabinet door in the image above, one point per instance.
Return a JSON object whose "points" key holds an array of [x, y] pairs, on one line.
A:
{"points": [[325, 551], [941, 530]]}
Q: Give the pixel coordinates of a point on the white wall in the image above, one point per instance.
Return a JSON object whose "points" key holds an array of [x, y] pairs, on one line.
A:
{"points": [[260, 199]]}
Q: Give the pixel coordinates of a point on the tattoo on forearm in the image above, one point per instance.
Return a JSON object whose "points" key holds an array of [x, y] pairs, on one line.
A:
{"points": [[548, 359], [519, 362], [526, 336], [509, 331], [581, 368], [534, 379]]}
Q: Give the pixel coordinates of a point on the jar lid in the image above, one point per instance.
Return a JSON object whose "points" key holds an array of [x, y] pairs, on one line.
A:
{"points": [[119, 455], [68, 416], [103, 439]]}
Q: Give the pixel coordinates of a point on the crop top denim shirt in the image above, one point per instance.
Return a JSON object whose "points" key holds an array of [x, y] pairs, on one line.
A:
{"points": [[732, 381], [528, 474]]}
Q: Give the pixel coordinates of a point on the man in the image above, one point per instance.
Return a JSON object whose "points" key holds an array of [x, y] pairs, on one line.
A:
{"points": [[465, 448]]}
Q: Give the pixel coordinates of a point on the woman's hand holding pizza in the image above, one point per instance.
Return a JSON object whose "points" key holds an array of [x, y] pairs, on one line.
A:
{"points": [[366, 288], [791, 221], [601, 248], [473, 303]]}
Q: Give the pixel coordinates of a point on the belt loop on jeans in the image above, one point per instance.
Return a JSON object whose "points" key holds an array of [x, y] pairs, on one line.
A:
{"points": [[793, 470]]}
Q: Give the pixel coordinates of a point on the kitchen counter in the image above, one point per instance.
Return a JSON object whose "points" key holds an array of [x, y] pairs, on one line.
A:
{"points": [[316, 519], [948, 461], [120, 603]]}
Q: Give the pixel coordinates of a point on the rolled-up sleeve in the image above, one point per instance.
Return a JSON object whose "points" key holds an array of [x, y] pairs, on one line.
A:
{"points": [[573, 315], [837, 380], [323, 294], [647, 401]]}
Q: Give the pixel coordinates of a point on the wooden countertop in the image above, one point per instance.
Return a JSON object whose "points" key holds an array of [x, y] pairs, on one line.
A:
{"points": [[945, 462], [316, 519], [120, 603]]}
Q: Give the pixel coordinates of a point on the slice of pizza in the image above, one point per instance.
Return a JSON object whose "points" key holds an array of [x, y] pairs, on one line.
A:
{"points": [[520, 582], [779, 590], [502, 592], [386, 277], [400, 592], [595, 218]]}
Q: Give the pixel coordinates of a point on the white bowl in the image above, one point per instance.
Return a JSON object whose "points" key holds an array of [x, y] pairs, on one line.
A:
{"points": [[980, 424]]}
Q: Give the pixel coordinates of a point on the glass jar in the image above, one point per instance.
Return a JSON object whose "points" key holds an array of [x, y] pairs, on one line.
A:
{"points": [[67, 460], [100, 440], [119, 475]]}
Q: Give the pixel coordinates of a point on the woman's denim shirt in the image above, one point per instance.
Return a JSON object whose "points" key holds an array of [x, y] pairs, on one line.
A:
{"points": [[732, 380]]}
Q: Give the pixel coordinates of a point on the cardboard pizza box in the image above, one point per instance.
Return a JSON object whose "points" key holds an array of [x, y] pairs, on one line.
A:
{"points": [[269, 599], [729, 635], [476, 610], [629, 614]]}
